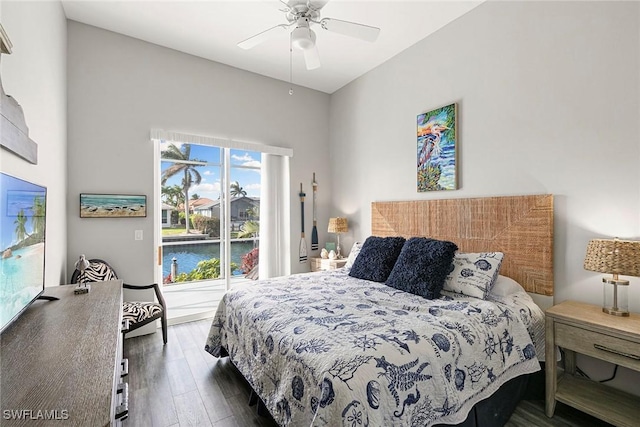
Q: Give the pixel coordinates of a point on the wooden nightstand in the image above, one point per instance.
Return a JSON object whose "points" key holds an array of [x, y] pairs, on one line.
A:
{"points": [[319, 264], [584, 328]]}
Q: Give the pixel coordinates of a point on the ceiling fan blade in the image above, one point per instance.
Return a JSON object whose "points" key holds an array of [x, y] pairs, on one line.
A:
{"points": [[352, 29], [312, 4], [317, 4], [312, 58], [261, 37]]}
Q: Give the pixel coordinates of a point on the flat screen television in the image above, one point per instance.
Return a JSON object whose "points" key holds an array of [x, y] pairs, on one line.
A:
{"points": [[22, 245]]}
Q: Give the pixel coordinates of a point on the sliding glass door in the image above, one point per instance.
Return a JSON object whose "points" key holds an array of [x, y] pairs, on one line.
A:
{"points": [[210, 213]]}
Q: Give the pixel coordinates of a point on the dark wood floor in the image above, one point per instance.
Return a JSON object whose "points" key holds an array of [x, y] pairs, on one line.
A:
{"points": [[181, 385]]}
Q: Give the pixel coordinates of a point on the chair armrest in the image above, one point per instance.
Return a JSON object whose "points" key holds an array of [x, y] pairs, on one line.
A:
{"points": [[155, 288], [134, 287]]}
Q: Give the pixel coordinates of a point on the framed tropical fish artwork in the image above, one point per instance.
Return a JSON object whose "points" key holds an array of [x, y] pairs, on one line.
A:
{"points": [[437, 148]]}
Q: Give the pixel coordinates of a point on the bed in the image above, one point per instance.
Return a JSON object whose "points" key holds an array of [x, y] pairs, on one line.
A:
{"points": [[328, 349]]}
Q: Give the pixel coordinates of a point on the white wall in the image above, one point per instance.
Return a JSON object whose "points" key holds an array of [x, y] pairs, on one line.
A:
{"points": [[548, 100], [35, 75], [120, 88]]}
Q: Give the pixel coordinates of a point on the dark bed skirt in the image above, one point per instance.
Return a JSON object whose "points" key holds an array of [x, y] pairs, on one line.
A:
{"points": [[493, 411], [496, 410]]}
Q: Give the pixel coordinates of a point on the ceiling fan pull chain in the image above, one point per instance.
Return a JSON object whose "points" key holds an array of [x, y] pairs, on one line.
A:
{"points": [[290, 65]]}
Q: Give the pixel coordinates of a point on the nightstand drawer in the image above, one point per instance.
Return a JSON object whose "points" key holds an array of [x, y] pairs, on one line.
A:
{"points": [[320, 264], [615, 350]]}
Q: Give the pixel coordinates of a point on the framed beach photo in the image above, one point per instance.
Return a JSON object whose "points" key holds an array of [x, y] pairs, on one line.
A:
{"points": [[113, 206], [437, 144]]}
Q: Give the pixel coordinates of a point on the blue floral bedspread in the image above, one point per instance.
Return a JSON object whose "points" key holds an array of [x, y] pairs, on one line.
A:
{"points": [[326, 349]]}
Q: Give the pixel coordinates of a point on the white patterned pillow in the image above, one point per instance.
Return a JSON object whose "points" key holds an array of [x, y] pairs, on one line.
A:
{"points": [[355, 250], [505, 286], [473, 274]]}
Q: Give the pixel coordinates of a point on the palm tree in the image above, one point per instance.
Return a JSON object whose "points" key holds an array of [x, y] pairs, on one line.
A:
{"points": [[253, 212], [235, 190], [173, 195], [249, 229], [186, 165], [38, 218], [21, 229]]}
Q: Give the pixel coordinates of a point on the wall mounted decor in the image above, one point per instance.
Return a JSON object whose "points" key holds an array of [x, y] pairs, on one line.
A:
{"points": [[112, 206], [15, 133], [437, 146]]}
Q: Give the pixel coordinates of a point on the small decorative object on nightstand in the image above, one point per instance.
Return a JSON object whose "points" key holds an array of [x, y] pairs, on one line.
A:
{"points": [[584, 328], [320, 264], [81, 265], [615, 257], [338, 226]]}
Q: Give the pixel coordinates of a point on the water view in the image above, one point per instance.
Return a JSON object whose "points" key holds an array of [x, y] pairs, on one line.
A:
{"points": [[188, 256]]}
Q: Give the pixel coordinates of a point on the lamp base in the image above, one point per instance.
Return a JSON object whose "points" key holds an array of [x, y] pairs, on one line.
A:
{"points": [[615, 296], [615, 311], [82, 289]]}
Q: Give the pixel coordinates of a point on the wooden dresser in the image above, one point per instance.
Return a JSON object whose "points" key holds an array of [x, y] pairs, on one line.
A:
{"points": [[62, 360]]}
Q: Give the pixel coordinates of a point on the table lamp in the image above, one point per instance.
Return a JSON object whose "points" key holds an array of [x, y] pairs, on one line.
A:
{"points": [[338, 226], [614, 256], [81, 265]]}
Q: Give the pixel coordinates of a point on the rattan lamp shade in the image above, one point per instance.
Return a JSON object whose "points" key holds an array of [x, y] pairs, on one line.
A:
{"points": [[338, 225], [613, 256]]}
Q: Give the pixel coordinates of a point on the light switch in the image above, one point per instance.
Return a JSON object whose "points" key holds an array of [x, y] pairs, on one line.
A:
{"points": [[138, 235]]}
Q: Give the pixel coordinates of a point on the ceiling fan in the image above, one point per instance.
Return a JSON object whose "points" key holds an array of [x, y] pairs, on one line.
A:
{"points": [[303, 14]]}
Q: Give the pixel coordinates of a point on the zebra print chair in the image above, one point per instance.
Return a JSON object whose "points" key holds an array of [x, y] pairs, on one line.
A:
{"points": [[138, 313]]}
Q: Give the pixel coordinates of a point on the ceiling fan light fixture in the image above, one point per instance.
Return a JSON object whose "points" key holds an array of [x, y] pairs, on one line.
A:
{"points": [[301, 15], [303, 38]]}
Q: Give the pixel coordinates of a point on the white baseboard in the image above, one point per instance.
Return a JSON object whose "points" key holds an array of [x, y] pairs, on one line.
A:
{"points": [[191, 317]]}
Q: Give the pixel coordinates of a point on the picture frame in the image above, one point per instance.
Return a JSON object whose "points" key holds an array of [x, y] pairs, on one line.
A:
{"points": [[112, 205], [330, 246], [437, 147]]}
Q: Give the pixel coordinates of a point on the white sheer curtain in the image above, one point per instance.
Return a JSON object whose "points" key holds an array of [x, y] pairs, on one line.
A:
{"points": [[275, 233]]}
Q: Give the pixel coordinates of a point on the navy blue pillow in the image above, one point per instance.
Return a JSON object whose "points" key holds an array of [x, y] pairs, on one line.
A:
{"points": [[422, 266], [377, 258]]}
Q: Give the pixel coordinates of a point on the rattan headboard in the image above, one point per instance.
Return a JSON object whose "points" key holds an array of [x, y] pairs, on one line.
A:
{"points": [[519, 226]]}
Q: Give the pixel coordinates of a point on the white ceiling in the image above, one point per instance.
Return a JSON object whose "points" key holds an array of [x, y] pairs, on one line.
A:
{"points": [[211, 29]]}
